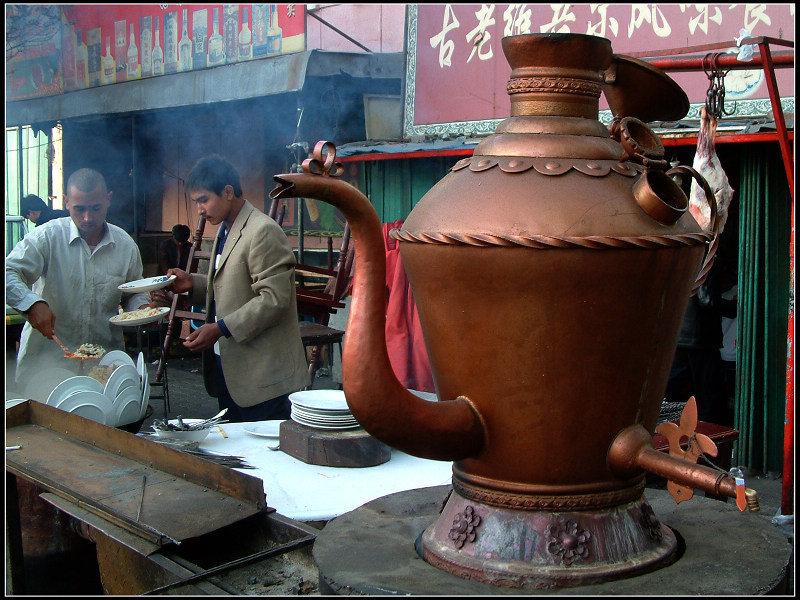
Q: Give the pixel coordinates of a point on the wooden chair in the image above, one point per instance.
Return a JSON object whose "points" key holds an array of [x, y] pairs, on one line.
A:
{"points": [[319, 304], [180, 309]]}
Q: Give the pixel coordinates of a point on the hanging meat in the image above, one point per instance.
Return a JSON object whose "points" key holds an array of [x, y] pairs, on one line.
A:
{"points": [[706, 162]]}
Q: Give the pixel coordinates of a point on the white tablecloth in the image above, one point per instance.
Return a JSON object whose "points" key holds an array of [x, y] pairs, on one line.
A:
{"points": [[314, 493]]}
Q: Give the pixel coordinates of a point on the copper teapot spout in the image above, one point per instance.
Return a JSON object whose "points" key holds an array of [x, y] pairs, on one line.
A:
{"points": [[448, 430]]}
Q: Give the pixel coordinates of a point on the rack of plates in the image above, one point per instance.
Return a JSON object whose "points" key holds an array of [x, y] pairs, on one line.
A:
{"points": [[322, 409], [122, 400]]}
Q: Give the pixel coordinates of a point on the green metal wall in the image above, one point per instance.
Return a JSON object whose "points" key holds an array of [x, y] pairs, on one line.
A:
{"points": [[764, 293], [395, 186]]}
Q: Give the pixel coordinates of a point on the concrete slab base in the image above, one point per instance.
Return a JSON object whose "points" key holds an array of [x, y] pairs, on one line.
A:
{"points": [[371, 551]]}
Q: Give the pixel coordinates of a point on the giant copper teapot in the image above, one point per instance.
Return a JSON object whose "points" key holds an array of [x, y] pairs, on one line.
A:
{"points": [[551, 272]]}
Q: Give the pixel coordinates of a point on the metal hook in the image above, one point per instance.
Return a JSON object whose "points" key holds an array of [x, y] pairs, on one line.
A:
{"points": [[715, 95]]}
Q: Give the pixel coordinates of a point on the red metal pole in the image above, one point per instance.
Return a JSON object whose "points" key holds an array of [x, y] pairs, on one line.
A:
{"points": [[777, 111], [783, 59], [787, 489]]}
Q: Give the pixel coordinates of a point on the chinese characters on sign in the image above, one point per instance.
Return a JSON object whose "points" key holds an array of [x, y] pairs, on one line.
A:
{"points": [[457, 47]]}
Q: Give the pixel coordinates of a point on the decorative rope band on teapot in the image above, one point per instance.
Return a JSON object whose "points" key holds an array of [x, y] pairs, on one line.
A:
{"points": [[543, 242], [527, 85]]}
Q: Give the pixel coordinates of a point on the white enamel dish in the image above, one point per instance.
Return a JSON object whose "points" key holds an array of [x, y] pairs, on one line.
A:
{"points": [[123, 377], [116, 357], [125, 320], [145, 394], [267, 429], [146, 285], [325, 400], [76, 383], [89, 405], [127, 407]]}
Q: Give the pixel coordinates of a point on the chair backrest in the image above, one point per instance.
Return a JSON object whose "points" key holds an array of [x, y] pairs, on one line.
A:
{"points": [[312, 301], [322, 303]]}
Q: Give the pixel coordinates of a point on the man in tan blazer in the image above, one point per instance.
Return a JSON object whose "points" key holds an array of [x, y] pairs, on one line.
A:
{"points": [[251, 320]]}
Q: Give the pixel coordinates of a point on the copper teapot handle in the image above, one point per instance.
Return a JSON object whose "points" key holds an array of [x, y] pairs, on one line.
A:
{"points": [[711, 251]]}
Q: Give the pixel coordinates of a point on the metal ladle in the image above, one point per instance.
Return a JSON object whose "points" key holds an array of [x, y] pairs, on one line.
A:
{"points": [[69, 354]]}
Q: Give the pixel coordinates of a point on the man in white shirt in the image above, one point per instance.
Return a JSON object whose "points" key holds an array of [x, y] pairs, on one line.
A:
{"points": [[63, 278]]}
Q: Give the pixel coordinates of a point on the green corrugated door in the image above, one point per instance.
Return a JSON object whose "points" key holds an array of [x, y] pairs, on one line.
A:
{"points": [[764, 229]]}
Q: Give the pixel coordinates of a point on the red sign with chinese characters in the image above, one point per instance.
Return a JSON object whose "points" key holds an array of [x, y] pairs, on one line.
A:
{"points": [[458, 73]]}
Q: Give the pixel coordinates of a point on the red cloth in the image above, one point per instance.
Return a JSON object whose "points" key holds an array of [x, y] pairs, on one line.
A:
{"points": [[404, 340]]}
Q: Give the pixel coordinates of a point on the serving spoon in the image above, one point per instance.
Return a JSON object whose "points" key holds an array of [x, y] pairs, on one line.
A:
{"points": [[68, 354]]}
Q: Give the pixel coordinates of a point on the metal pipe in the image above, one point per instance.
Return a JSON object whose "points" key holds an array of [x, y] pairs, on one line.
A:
{"points": [[339, 31], [783, 59], [632, 452]]}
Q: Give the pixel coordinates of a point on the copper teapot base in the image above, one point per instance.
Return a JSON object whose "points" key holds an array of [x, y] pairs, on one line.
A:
{"points": [[546, 549]]}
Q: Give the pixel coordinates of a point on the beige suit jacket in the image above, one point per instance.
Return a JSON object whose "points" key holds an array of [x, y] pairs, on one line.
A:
{"points": [[253, 289]]}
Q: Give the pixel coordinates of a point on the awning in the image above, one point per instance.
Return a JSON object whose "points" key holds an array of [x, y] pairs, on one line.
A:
{"points": [[239, 81]]}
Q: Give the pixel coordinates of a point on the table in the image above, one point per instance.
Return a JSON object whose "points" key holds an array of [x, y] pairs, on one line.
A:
{"points": [[315, 493]]}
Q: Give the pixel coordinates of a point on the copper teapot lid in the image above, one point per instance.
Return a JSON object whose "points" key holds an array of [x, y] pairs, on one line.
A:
{"points": [[635, 88]]}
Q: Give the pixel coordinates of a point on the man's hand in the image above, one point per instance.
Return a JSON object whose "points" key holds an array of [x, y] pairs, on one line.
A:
{"points": [[203, 337], [42, 318], [183, 281]]}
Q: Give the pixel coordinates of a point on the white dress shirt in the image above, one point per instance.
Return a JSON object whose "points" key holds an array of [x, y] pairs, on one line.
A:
{"points": [[53, 263]]}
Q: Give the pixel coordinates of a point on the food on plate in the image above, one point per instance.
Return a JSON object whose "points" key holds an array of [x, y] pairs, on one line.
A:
{"points": [[89, 351], [139, 314], [102, 373]]}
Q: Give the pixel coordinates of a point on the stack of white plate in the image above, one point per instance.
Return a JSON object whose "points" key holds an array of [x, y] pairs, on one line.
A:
{"points": [[123, 399], [322, 409]]}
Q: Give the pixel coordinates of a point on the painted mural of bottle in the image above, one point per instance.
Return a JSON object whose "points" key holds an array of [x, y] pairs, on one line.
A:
{"points": [[171, 42], [158, 54], [259, 25], [185, 45], [120, 50], [230, 31], [245, 38], [68, 56], [274, 33], [81, 62], [108, 64], [146, 39], [133, 57], [216, 51], [199, 31]]}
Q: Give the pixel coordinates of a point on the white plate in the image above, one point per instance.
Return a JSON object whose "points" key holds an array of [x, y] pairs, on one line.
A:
{"points": [[145, 394], [146, 285], [123, 376], [127, 407], [327, 420], [76, 383], [160, 313], [41, 385], [320, 399], [317, 426], [89, 405], [14, 402], [267, 429], [116, 357], [140, 366]]}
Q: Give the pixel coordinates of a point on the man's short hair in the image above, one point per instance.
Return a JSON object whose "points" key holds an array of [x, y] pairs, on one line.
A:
{"points": [[181, 232], [213, 173], [30, 203], [86, 180]]}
